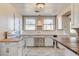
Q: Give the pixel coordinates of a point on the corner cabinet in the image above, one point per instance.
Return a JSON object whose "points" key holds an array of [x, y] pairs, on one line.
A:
{"points": [[75, 15], [11, 48]]}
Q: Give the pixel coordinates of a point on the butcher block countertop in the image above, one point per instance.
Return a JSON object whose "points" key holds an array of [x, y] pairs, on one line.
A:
{"points": [[10, 40]]}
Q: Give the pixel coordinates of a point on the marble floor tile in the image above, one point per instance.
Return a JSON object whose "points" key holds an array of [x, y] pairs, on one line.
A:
{"points": [[47, 51]]}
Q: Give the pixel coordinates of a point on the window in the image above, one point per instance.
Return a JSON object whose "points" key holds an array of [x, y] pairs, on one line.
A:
{"points": [[72, 30], [14, 26], [17, 26], [29, 23], [48, 23]]}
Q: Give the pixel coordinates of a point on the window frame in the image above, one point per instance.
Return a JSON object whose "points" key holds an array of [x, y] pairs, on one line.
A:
{"points": [[49, 24], [24, 23]]}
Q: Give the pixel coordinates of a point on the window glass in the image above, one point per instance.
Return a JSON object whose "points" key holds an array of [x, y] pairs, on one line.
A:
{"points": [[30, 23], [48, 23]]}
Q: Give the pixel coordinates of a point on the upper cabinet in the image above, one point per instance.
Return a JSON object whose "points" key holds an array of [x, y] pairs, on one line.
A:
{"points": [[75, 15]]}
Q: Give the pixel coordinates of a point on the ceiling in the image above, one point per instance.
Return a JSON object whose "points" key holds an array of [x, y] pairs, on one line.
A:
{"points": [[28, 9]]}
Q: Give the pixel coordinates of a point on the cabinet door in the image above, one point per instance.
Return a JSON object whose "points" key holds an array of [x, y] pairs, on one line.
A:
{"points": [[39, 41], [13, 51], [20, 51], [75, 15], [9, 51], [3, 51]]}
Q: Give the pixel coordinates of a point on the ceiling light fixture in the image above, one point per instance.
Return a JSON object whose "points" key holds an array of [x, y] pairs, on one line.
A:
{"points": [[40, 5]]}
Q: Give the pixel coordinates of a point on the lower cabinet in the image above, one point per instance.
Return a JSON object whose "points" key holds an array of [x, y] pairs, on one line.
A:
{"points": [[39, 41], [7, 51], [11, 49]]}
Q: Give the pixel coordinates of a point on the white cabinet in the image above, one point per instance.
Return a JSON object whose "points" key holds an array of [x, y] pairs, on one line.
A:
{"points": [[11, 48], [8, 51], [75, 15]]}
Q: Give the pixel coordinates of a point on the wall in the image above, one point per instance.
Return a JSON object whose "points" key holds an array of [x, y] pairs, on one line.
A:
{"points": [[43, 32], [6, 14], [66, 25], [65, 20], [3, 19]]}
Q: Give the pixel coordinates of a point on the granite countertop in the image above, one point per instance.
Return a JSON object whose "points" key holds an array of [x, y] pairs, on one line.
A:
{"points": [[69, 42]]}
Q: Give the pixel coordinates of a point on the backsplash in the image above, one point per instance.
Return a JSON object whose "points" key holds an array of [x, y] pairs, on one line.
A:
{"points": [[60, 32]]}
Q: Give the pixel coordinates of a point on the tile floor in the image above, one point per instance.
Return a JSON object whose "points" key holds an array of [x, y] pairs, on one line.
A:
{"points": [[47, 51]]}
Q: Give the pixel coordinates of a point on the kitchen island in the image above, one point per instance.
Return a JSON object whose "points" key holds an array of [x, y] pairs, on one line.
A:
{"points": [[11, 47], [71, 43]]}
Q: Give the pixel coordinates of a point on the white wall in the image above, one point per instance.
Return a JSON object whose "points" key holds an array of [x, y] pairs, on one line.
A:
{"points": [[6, 14], [66, 25], [65, 20], [3, 19]]}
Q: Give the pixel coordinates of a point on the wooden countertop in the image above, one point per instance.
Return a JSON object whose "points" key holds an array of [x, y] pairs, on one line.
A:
{"points": [[10, 40], [70, 43]]}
